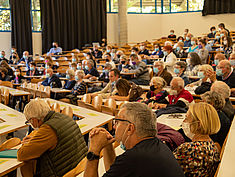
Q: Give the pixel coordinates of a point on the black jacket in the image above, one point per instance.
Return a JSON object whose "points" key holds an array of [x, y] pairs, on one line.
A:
{"points": [[53, 82]]}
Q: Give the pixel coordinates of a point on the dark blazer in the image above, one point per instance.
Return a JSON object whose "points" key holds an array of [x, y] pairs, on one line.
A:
{"points": [[27, 62], [104, 77], [36, 73], [97, 54], [69, 84], [166, 76], [20, 78], [54, 82]]}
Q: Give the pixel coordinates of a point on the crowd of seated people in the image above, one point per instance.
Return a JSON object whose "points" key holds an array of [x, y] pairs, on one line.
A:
{"points": [[170, 70]]}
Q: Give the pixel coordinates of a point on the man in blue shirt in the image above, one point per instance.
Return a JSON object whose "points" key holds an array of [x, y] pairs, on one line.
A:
{"points": [[52, 80], [187, 42], [55, 50], [90, 70]]}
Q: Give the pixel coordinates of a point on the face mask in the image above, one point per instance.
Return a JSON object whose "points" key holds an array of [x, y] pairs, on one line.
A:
{"points": [[213, 32], [107, 60], [12, 51], [173, 92], [141, 47], [76, 78], [54, 46], [176, 71], [86, 67], [106, 71], [67, 76], [171, 33], [25, 57], [152, 88], [1, 56], [200, 46], [187, 131], [165, 53], [79, 67], [217, 37], [200, 74], [187, 38], [219, 29], [222, 35], [17, 73], [178, 48], [180, 40], [84, 54], [188, 61], [156, 49], [155, 70], [113, 83], [73, 59], [31, 68], [112, 54], [225, 42], [219, 72], [232, 62], [216, 62], [14, 57], [134, 63], [47, 67], [47, 75], [108, 51], [118, 55], [132, 52], [87, 57], [123, 62], [122, 144], [193, 42]]}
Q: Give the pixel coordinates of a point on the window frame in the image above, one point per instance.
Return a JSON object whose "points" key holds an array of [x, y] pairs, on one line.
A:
{"points": [[9, 9], [162, 5], [31, 14]]}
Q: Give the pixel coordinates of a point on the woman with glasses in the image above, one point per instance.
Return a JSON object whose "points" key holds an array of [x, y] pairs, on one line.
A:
{"points": [[201, 156]]}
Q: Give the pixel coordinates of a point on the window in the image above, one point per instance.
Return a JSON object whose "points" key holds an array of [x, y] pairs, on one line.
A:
{"points": [[5, 23], [158, 6], [36, 15]]}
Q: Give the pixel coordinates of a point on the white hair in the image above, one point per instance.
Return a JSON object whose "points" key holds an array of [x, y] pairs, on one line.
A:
{"points": [[222, 88], [158, 81], [168, 43], [80, 73], [36, 109], [180, 81]]}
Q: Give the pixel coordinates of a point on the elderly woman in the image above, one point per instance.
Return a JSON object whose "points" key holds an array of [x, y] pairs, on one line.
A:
{"points": [[70, 83], [204, 84], [194, 46], [156, 93], [179, 70], [199, 157], [79, 88], [160, 71], [193, 62], [218, 102], [179, 51], [203, 52], [169, 58]]}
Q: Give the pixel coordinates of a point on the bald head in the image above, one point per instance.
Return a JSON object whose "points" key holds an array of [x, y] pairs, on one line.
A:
{"points": [[220, 56], [225, 64]]}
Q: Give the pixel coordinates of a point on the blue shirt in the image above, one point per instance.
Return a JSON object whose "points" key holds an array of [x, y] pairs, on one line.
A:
{"points": [[55, 50], [187, 43]]}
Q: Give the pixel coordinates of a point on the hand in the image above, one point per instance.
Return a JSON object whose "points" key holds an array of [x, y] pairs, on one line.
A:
{"points": [[211, 75], [26, 139], [159, 106], [151, 105], [190, 85], [99, 138], [125, 70]]}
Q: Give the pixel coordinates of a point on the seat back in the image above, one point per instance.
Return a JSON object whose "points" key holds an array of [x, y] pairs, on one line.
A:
{"points": [[10, 144], [7, 84], [55, 107], [86, 98], [68, 111], [97, 102]]}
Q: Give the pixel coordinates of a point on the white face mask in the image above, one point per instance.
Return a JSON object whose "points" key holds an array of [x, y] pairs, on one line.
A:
{"points": [[173, 92], [225, 42], [141, 47], [188, 61], [187, 130]]}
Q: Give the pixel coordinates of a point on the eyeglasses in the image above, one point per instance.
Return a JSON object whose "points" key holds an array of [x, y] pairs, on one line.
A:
{"points": [[28, 122], [116, 120]]}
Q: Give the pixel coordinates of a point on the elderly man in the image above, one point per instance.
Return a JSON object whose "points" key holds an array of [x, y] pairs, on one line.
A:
{"points": [[26, 59], [90, 70], [223, 89], [160, 70], [145, 154], [219, 57], [178, 96], [55, 50], [224, 73], [52, 80], [143, 50], [56, 145], [96, 52], [140, 70], [3, 56], [109, 89]]}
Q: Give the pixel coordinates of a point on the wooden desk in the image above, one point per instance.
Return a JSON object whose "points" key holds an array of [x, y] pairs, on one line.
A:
{"points": [[15, 92], [92, 81], [227, 162], [9, 164]]}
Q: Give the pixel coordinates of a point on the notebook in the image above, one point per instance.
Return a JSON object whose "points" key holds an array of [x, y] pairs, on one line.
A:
{"points": [[12, 153]]}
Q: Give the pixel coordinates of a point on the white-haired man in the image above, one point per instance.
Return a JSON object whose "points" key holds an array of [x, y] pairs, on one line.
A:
{"points": [[178, 96], [145, 154], [160, 71], [224, 90], [55, 148]]}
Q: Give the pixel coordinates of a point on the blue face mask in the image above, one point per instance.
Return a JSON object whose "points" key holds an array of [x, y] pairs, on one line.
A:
{"points": [[67, 77], [217, 37], [222, 35], [176, 71], [86, 67], [232, 62], [172, 33], [200, 74], [79, 67], [108, 51], [180, 40], [187, 38], [113, 83], [178, 48], [155, 70], [214, 32], [156, 49], [106, 71], [76, 78], [216, 62], [193, 42], [219, 72], [31, 68], [25, 57], [165, 53], [123, 146], [47, 75], [73, 59], [1, 56]]}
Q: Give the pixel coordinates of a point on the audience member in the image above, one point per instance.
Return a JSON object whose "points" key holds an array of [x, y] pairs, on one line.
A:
{"points": [[179, 39], [33, 71], [157, 53], [143, 50], [218, 102], [219, 57], [179, 50], [203, 52], [223, 89], [14, 58], [123, 88], [160, 71], [25, 59], [193, 62], [90, 70], [9, 69], [194, 46], [43, 151], [70, 83], [110, 89], [108, 59], [179, 69], [104, 76], [96, 52], [18, 78], [3, 56], [201, 156], [172, 35], [222, 27], [169, 58], [140, 70], [124, 63], [213, 32], [3, 74], [55, 50], [135, 129], [187, 42], [51, 80]]}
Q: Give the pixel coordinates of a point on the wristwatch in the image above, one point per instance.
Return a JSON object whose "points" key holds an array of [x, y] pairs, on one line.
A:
{"points": [[91, 156]]}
